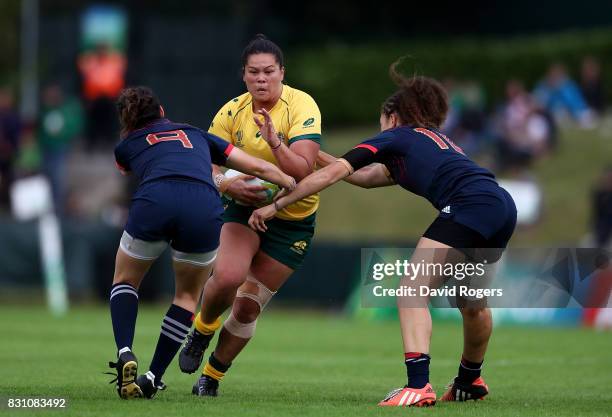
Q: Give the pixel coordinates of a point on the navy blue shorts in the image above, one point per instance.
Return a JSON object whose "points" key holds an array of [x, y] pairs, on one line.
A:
{"points": [[483, 220], [187, 214]]}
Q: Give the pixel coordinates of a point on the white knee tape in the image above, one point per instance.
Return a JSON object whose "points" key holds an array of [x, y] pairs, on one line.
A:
{"points": [[243, 330], [197, 259], [141, 249], [263, 296]]}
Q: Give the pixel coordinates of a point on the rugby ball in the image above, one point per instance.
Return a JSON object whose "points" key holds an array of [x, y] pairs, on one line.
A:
{"points": [[268, 193]]}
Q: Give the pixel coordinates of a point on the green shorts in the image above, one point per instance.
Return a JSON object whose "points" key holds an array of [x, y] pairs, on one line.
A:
{"points": [[287, 241]]}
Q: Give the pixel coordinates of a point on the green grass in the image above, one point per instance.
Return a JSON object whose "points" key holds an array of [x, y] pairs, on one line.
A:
{"points": [[303, 364], [566, 177]]}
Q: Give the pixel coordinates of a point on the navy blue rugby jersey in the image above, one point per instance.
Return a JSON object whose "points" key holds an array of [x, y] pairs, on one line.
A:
{"points": [[164, 149], [425, 162]]}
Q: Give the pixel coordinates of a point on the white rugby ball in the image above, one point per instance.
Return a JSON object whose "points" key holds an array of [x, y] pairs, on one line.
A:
{"points": [[268, 194]]}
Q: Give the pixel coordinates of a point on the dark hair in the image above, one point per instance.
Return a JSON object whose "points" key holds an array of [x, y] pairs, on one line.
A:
{"points": [[137, 106], [419, 101], [262, 45]]}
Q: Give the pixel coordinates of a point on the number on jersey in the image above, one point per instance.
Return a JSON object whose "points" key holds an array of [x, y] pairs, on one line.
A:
{"points": [[442, 142], [179, 135]]}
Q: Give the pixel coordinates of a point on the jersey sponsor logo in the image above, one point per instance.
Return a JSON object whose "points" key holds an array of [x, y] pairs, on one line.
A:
{"points": [[239, 139], [299, 246], [180, 135], [308, 122]]}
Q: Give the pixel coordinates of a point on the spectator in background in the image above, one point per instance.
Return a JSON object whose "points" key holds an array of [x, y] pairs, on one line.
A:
{"points": [[10, 132], [525, 131], [103, 74], [602, 209], [61, 121], [466, 120], [591, 84], [561, 96]]}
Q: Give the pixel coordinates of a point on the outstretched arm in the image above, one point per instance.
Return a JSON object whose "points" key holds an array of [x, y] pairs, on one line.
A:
{"points": [[248, 164], [371, 176], [312, 184]]}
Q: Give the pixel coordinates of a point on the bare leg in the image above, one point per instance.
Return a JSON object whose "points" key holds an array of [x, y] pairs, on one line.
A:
{"points": [[268, 272], [129, 270], [189, 282], [415, 320], [477, 329], [238, 246]]}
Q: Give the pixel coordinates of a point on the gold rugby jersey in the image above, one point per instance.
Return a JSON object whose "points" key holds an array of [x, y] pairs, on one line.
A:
{"points": [[296, 116]]}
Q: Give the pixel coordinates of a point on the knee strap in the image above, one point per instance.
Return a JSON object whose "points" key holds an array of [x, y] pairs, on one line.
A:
{"points": [[263, 296], [243, 330]]}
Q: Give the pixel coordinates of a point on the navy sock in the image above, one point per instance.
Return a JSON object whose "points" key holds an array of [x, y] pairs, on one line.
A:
{"points": [[174, 330], [221, 367], [417, 366], [469, 371], [124, 309]]}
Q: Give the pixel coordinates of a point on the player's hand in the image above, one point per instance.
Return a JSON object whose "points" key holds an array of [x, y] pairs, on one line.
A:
{"points": [[266, 127], [246, 193], [290, 183], [258, 218]]}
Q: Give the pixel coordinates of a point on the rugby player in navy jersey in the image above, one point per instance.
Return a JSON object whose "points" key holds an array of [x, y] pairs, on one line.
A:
{"points": [[475, 212], [176, 204]]}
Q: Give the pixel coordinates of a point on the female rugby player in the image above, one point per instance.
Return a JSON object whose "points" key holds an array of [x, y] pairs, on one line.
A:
{"points": [[176, 203], [475, 212], [251, 266]]}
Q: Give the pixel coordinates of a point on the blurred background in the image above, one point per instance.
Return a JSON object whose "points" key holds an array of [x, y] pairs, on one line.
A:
{"points": [[530, 87]]}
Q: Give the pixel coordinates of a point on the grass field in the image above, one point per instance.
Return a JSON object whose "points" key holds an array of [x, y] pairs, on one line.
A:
{"points": [[303, 364], [566, 178]]}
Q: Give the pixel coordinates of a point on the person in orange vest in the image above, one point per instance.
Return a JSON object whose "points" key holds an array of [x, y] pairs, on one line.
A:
{"points": [[103, 74]]}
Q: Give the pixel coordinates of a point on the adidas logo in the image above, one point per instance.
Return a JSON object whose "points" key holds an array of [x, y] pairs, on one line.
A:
{"points": [[446, 210]]}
